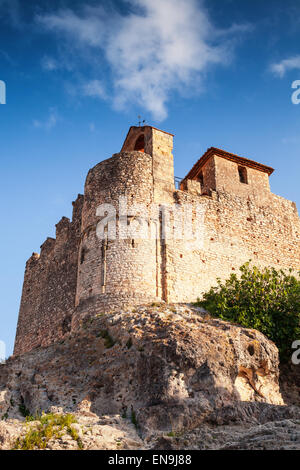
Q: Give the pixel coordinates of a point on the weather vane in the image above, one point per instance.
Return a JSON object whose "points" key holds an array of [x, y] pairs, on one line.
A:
{"points": [[140, 121]]}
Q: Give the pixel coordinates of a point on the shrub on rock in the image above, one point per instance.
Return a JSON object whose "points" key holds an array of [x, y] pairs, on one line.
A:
{"points": [[264, 299]]}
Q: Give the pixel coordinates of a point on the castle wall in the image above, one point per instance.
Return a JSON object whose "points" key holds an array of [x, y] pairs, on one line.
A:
{"points": [[49, 289], [159, 145], [227, 179], [195, 186], [209, 176], [113, 273], [163, 167], [236, 230]]}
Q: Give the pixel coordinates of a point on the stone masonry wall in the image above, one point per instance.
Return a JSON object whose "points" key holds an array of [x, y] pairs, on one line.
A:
{"points": [[227, 179], [163, 167], [48, 297], [236, 229], [159, 145], [113, 273]]}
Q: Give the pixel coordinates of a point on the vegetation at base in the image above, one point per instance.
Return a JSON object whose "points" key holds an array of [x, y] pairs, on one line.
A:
{"points": [[49, 426], [133, 418], [266, 300], [175, 433], [23, 410], [124, 412], [108, 340]]}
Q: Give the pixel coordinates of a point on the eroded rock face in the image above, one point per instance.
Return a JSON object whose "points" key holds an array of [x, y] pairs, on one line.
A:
{"points": [[171, 368]]}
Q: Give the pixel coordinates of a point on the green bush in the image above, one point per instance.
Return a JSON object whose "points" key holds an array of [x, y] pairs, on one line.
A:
{"points": [[23, 410], [48, 426], [108, 340], [266, 300]]}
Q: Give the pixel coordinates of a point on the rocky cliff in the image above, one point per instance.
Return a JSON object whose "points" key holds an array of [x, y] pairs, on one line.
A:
{"points": [[160, 376]]}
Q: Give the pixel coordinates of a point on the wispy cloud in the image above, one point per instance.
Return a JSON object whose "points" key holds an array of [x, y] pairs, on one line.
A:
{"points": [[95, 89], [282, 67], [7, 57], [159, 47], [49, 122], [48, 63]]}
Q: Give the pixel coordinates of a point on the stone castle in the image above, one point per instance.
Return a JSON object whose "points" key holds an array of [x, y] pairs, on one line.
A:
{"points": [[76, 274]]}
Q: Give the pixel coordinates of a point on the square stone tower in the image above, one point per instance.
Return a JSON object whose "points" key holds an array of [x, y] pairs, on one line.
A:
{"points": [[158, 144], [218, 170]]}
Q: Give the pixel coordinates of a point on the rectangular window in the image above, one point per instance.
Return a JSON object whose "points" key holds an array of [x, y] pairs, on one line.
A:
{"points": [[243, 174], [82, 256], [201, 178]]}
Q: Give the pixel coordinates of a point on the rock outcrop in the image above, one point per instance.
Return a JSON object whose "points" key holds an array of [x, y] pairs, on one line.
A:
{"points": [[160, 376]]}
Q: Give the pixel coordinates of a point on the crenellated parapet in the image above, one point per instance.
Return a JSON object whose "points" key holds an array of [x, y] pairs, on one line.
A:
{"points": [[48, 297], [47, 248]]}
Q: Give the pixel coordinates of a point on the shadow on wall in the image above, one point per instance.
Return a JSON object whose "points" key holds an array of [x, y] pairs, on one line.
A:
{"points": [[165, 392], [289, 381], [140, 144]]}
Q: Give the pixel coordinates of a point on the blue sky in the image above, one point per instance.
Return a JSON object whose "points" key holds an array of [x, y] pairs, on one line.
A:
{"points": [[78, 73]]}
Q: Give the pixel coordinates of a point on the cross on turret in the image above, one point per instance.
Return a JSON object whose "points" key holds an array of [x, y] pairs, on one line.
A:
{"points": [[141, 121]]}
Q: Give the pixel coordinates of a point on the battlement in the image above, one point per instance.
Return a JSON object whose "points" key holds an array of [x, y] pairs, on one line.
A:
{"points": [[49, 287], [77, 274]]}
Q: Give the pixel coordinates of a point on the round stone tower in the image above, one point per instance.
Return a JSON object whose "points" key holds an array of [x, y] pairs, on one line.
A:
{"points": [[120, 251]]}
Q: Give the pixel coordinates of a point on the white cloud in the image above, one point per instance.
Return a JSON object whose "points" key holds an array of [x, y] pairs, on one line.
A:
{"points": [[49, 122], [48, 63], [88, 29], [95, 89], [280, 68], [159, 47]]}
